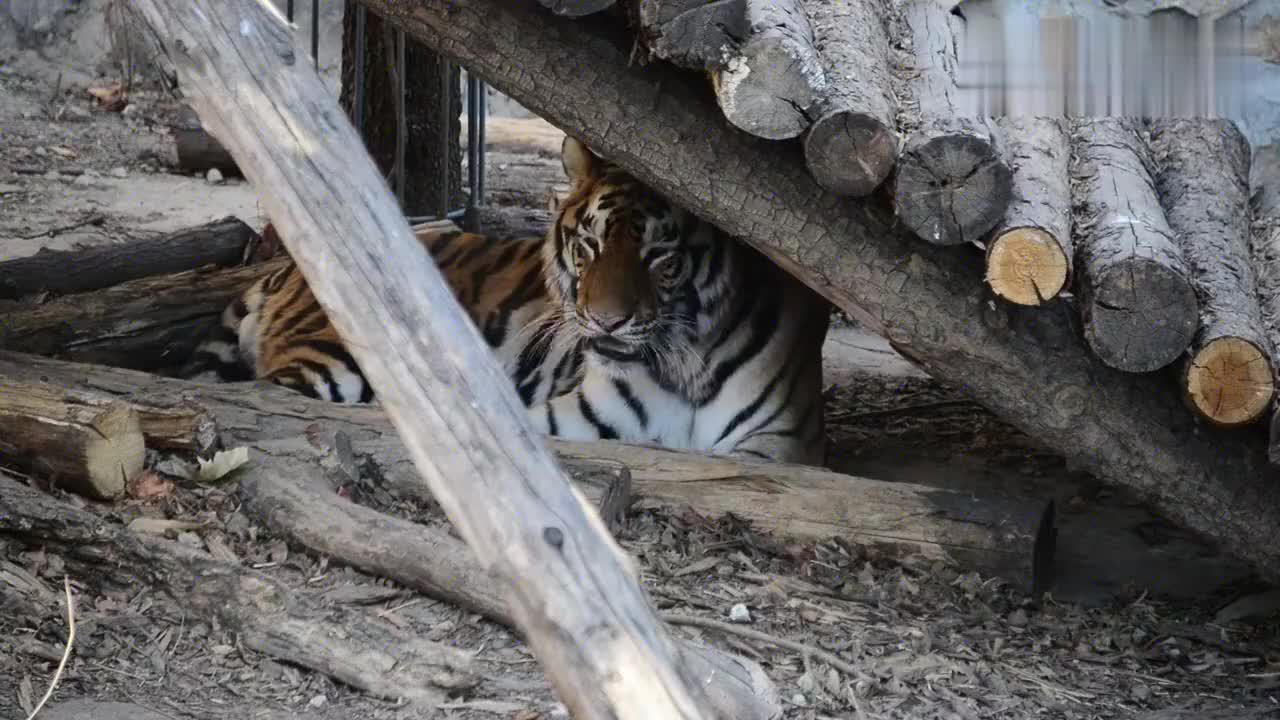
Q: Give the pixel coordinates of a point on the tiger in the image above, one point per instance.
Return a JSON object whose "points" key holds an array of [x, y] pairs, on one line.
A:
{"points": [[631, 319]]}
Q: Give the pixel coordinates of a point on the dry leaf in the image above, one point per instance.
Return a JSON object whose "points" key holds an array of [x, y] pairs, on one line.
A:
{"points": [[159, 526], [150, 484], [111, 99], [223, 463]]}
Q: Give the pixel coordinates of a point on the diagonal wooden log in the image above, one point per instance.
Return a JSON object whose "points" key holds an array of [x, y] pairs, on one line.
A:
{"points": [[1029, 366], [571, 590]]}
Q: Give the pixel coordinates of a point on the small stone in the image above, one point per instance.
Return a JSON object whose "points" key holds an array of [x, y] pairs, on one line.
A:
{"points": [[85, 179], [119, 172], [52, 175], [799, 700], [1018, 618], [318, 701], [130, 110], [42, 152], [739, 614], [214, 176]]}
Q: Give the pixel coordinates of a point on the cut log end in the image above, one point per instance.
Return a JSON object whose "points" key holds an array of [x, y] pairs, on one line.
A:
{"points": [[952, 189], [1230, 382], [114, 451], [768, 89], [1141, 315], [1027, 266], [850, 153]]}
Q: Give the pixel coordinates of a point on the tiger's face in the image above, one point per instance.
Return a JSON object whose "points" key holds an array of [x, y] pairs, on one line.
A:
{"points": [[624, 263]]}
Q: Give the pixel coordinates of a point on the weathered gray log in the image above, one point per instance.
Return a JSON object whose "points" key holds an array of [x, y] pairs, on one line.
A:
{"points": [[569, 586], [693, 34], [852, 145], [266, 615], [1139, 309], [952, 185], [1029, 366], [772, 79], [1203, 184], [284, 484], [90, 448], [197, 150], [152, 323], [1030, 251], [1264, 250], [222, 243]]}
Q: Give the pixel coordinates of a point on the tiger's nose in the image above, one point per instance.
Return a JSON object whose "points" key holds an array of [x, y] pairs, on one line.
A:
{"points": [[612, 323]]}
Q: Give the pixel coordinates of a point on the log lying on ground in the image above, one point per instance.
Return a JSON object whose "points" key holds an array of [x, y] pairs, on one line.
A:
{"points": [[222, 243], [852, 146], [197, 150], [1140, 311], [952, 184], [774, 76], [148, 324], [267, 617], [1030, 367], [285, 484], [1264, 254], [88, 446], [1030, 251], [572, 591], [1009, 537], [576, 8], [1203, 184]]}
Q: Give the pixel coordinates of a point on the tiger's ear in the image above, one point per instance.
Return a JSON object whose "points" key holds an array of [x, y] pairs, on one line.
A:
{"points": [[580, 164]]}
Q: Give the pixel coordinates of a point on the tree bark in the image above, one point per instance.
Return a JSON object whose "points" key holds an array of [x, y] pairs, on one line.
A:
{"points": [[1029, 253], [89, 448], [952, 185], [852, 146], [1140, 311], [693, 34], [1203, 184], [573, 595], [425, 163], [1264, 252], [773, 77], [197, 150], [1028, 366], [152, 323], [266, 615], [223, 243], [576, 8]]}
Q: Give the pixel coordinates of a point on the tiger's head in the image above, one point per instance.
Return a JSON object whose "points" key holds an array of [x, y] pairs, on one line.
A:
{"points": [[628, 268]]}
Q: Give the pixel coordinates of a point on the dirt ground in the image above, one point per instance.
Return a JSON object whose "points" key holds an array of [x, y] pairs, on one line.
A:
{"points": [[1143, 620]]}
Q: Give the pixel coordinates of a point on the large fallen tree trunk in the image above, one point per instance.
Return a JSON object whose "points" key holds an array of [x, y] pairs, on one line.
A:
{"points": [[952, 184], [152, 323], [1030, 251], [570, 589], [222, 243], [266, 615], [1264, 253], [852, 145], [1009, 537], [1030, 367], [285, 485], [1203, 183], [1140, 311]]}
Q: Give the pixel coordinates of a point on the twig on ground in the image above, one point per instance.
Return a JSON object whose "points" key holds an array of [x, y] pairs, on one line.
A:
{"points": [[95, 219], [803, 649], [71, 638]]}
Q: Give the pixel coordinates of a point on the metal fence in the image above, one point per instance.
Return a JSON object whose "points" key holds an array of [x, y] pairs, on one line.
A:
{"points": [[476, 108]]}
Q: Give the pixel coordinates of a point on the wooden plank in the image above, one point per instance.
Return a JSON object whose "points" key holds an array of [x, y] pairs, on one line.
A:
{"points": [[567, 582]]}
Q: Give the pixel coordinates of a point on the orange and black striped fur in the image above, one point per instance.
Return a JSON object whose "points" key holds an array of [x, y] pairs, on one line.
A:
{"points": [[631, 319]]}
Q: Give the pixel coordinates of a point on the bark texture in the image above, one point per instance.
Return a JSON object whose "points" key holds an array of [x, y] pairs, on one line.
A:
{"points": [[1139, 308], [425, 163], [774, 77], [1029, 252], [222, 243], [693, 34], [1203, 184], [852, 146], [1264, 252], [573, 594], [148, 324], [1030, 367]]}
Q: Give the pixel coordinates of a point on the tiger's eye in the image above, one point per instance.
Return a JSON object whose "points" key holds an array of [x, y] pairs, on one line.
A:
{"points": [[669, 268]]}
